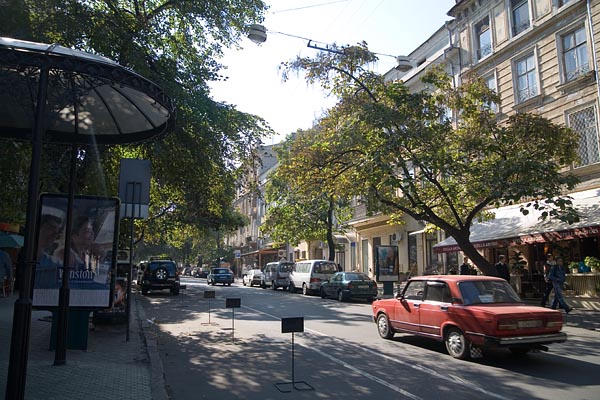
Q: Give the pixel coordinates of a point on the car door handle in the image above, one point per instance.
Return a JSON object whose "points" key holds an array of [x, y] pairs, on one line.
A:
{"points": [[416, 305], [444, 308]]}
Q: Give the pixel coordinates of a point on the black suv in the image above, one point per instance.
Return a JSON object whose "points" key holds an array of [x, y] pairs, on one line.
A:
{"points": [[159, 274]]}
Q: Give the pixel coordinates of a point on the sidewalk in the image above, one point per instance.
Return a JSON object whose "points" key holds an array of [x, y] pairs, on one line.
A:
{"points": [[113, 367], [110, 367]]}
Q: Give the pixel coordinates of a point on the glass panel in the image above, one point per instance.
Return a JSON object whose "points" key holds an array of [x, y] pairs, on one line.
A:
{"points": [[584, 123]]}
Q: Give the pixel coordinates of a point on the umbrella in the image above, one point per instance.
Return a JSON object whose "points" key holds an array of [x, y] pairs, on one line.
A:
{"points": [[9, 240], [91, 99]]}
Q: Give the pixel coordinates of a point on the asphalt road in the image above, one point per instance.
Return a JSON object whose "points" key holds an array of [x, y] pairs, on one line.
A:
{"points": [[209, 351]]}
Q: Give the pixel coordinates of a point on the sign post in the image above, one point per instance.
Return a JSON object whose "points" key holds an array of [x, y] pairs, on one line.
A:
{"points": [[295, 324], [233, 303]]}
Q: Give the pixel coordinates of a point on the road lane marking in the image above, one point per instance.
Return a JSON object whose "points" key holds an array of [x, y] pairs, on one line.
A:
{"points": [[420, 368]]}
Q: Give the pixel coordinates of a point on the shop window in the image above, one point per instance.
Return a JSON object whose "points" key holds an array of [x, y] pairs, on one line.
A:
{"points": [[585, 124]]}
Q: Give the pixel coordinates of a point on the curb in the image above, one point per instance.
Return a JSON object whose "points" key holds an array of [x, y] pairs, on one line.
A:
{"points": [[157, 375]]}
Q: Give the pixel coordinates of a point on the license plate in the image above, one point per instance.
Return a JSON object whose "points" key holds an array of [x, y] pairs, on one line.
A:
{"points": [[363, 286], [532, 323]]}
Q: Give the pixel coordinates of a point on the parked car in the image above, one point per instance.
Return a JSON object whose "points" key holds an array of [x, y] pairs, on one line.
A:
{"points": [[252, 277], [468, 313], [200, 272], [220, 275], [349, 285], [159, 274], [276, 275], [307, 275]]}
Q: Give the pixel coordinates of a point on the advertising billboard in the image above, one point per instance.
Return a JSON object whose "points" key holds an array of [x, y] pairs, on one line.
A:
{"points": [[92, 250], [387, 263]]}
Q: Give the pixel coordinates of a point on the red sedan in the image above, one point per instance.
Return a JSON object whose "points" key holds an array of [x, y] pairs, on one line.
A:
{"points": [[468, 313]]}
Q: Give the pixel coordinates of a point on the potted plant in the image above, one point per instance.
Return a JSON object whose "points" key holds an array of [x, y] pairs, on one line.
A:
{"points": [[593, 263], [574, 267]]}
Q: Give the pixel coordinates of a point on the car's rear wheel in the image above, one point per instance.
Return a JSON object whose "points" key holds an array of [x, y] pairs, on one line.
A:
{"points": [[340, 296], [383, 327], [456, 344], [304, 289], [292, 288], [322, 293]]}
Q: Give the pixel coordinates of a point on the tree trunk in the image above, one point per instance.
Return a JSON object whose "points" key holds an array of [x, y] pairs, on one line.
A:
{"points": [[330, 241], [476, 258]]}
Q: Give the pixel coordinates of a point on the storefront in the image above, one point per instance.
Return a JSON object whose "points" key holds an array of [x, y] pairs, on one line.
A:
{"points": [[525, 240]]}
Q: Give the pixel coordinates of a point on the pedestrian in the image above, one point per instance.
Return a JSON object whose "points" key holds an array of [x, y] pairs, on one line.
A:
{"points": [[5, 272], [502, 268], [548, 264], [557, 277], [465, 268]]}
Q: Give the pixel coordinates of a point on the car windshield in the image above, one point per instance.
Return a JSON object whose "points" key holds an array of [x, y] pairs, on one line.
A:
{"points": [[478, 292], [220, 271], [286, 267], [357, 277]]}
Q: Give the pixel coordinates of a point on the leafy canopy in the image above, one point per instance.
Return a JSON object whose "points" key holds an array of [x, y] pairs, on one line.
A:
{"points": [[405, 154]]}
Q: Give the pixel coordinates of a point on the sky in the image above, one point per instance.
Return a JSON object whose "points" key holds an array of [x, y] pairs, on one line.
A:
{"points": [[254, 83]]}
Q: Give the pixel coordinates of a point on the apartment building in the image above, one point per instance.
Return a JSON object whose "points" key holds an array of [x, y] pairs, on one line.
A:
{"points": [[541, 57]]}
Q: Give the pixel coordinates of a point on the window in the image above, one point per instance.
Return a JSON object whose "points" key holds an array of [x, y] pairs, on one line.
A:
{"points": [[414, 290], [490, 80], [574, 54], [526, 77], [484, 38], [584, 122], [438, 291], [520, 16]]}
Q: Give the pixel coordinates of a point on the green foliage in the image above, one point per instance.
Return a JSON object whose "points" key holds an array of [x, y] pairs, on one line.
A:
{"points": [[408, 156], [303, 203], [176, 44]]}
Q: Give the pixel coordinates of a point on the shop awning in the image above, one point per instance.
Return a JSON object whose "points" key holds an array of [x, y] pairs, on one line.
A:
{"points": [[511, 227]]}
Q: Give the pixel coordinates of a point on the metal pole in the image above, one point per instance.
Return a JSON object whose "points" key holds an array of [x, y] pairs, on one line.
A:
{"points": [[62, 331], [19, 345]]}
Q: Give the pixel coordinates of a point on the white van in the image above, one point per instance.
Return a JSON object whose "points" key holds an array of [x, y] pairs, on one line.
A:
{"points": [[308, 275]]}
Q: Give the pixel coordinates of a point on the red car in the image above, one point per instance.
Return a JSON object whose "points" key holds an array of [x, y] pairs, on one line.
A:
{"points": [[468, 313]]}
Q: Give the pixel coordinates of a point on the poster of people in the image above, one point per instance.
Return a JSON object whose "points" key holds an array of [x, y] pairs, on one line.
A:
{"points": [[91, 251], [387, 263]]}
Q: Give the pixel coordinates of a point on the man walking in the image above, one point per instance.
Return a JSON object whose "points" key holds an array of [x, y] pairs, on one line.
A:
{"points": [[557, 277]]}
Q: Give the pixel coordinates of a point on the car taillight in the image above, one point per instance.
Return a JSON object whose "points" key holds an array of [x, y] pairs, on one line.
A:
{"points": [[506, 324], [315, 280]]}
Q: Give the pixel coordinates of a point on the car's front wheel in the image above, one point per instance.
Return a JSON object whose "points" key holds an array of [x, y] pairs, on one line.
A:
{"points": [[383, 327], [456, 344], [340, 296]]}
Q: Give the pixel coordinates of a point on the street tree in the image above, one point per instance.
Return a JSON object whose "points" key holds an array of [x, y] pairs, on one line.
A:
{"points": [[410, 156], [176, 44], [302, 205]]}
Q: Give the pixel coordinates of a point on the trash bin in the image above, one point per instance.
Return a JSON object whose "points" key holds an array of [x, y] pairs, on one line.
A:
{"points": [[77, 330]]}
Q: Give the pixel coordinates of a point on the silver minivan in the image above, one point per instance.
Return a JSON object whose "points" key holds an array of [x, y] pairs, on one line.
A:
{"points": [[309, 274], [276, 275]]}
